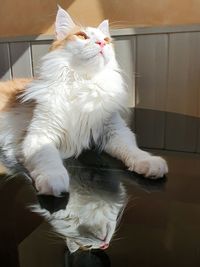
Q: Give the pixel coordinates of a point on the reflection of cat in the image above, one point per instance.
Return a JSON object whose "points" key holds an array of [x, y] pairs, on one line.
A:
{"points": [[74, 101], [96, 203]]}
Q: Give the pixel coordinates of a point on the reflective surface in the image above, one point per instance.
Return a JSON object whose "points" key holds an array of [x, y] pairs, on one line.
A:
{"points": [[160, 225]]}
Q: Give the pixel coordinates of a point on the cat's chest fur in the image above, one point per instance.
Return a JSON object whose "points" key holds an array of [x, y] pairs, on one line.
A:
{"points": [[86, 105], [74, 108]]}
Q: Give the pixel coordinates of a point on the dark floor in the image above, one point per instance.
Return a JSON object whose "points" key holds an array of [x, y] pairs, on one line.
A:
{"points": [[160, 226]]}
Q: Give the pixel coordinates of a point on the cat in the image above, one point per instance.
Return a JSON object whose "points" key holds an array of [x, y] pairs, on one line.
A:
{"points": [[96, 203], [74, 101]]}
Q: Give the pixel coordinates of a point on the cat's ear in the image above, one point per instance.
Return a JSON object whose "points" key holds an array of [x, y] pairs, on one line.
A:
{"points": [[63, 24], [104, 27], [72, 246]]}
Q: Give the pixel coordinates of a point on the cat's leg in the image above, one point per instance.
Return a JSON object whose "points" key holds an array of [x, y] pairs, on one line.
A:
{"points": [[121, 143], [10, 134], [44, 163]]}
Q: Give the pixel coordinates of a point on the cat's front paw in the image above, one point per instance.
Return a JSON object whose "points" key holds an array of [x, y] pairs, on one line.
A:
{"points": [[153, 167], [52, 182]]}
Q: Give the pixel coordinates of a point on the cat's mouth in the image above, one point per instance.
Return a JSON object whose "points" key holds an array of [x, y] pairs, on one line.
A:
{"points": [[100, 53], [86, 248], [89, 247], [97, 54], [104, 246]]}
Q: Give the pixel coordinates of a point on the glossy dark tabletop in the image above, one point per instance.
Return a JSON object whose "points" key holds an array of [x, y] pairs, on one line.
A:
{"points": [[160, 226]]}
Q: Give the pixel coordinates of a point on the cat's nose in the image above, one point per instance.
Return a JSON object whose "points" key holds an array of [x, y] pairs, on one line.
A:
{"points": [[101, 43], [104, 246]]}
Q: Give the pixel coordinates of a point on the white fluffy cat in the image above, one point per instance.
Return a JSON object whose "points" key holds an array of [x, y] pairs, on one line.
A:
{"points": [[74, 101], [95, 206]]}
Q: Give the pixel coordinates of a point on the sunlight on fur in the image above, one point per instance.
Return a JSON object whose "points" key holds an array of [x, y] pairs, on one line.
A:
{"points": [[74, 102]]}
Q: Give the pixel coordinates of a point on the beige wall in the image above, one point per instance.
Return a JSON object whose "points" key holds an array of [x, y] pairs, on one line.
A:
{"points": [[33, 17]]}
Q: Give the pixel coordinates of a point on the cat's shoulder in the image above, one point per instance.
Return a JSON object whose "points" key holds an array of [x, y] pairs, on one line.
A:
{"points": [[9, 91], [12, 86]]}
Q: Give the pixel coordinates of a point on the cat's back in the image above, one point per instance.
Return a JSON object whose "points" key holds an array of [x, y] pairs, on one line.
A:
{"points": [[9, 90]]}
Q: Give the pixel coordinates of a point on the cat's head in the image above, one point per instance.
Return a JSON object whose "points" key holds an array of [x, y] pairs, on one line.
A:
{"points": [[90, 221], [89, 49]]}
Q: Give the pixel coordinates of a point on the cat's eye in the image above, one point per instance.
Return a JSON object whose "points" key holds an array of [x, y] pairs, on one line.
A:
{"points": [[107, 40], [82, 35]]}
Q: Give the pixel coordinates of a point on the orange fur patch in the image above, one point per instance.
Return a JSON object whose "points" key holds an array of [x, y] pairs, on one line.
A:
{"points": [[58, 44], [9, 91]]}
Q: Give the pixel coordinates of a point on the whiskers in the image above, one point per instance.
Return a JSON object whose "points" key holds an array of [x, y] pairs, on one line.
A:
{"points": [[90, 53], [117, 239], [118, 24]]}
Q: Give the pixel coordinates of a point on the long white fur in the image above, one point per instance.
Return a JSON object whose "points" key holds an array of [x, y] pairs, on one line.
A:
{"points": [[79, 93], [93, 204]]}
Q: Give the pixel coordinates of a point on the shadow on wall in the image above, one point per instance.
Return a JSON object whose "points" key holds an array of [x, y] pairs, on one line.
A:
{"points": [[36, 17], [151, 12], [18, 58]]}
